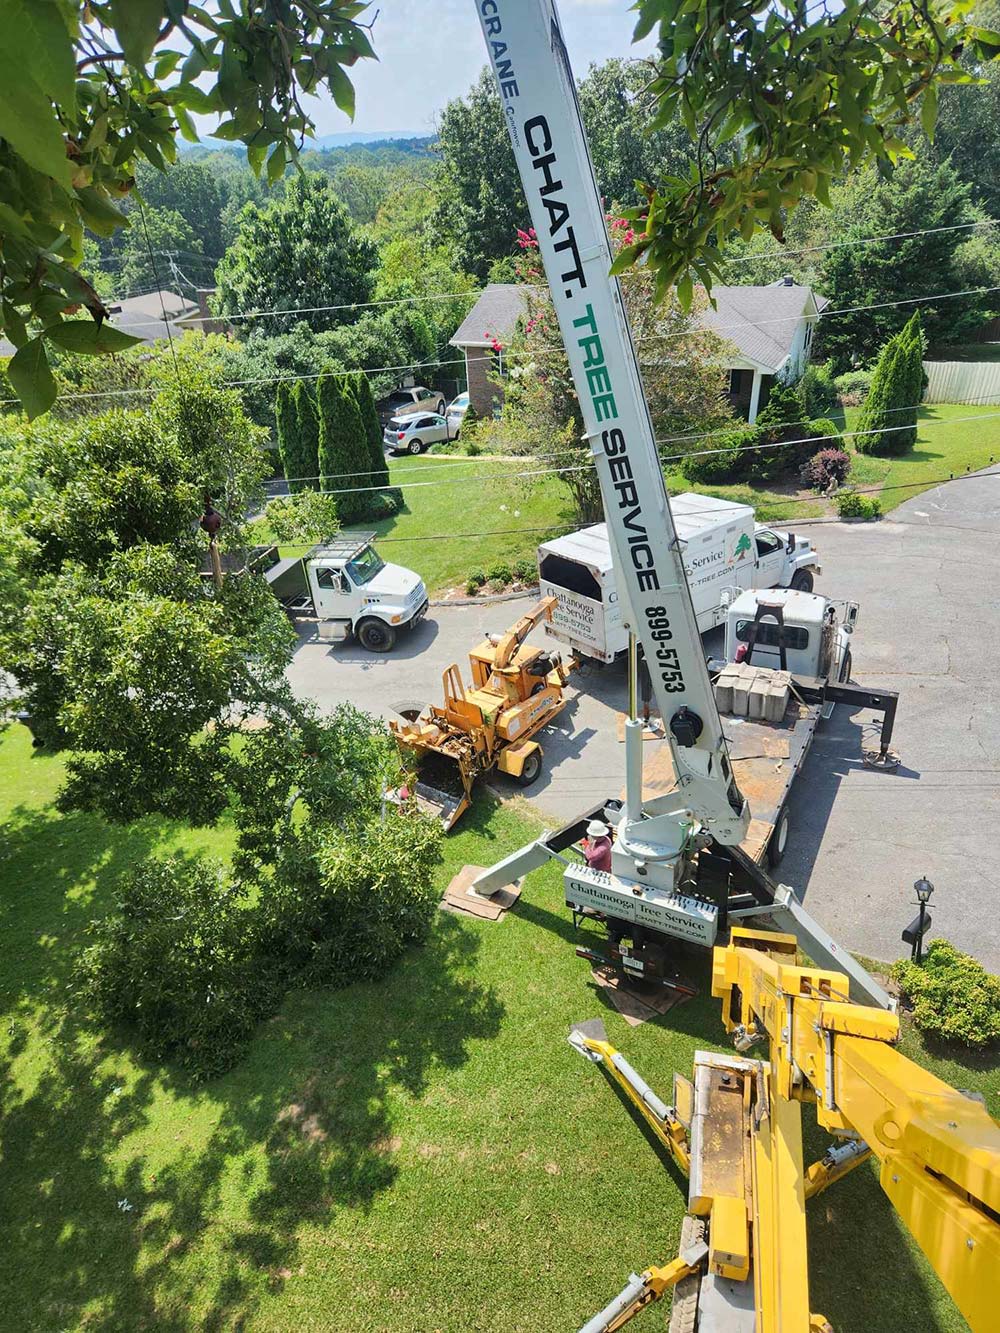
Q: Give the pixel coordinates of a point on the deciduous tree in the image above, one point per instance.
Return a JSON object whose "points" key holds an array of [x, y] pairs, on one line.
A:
{"points": [[299, 252], [87, 91]]}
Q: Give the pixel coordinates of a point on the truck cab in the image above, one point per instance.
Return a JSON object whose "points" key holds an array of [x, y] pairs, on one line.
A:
{"points": [[789, 630], [350, 589]]}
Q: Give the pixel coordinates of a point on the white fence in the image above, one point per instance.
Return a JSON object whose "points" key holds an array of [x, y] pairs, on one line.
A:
{"points": [[962, 381]]}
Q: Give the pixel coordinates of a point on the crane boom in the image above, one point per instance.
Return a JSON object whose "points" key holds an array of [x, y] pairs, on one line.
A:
{"points": [[538, 96]]}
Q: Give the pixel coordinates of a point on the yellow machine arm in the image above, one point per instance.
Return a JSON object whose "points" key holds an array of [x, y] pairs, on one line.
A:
{"points": [[509, 643], [737, 1132]]}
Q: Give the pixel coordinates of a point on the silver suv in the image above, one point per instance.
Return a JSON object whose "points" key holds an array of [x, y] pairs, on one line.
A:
{"points": [[412, 435], [404, 402]]}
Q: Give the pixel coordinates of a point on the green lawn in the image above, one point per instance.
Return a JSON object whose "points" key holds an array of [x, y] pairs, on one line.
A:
{"points": [[425, 1154], [454, 503], [952, 438]]}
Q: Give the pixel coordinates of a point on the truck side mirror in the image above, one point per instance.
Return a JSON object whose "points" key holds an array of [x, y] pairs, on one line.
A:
{"points": [[851, 616], [790, 546]]}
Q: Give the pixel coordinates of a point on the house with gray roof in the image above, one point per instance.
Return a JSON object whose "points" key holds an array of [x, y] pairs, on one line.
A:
{"points": [[769, 332], [490, 322]]}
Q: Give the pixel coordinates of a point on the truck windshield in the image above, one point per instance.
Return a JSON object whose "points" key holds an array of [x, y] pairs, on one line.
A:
{"points": [[365, 566]]}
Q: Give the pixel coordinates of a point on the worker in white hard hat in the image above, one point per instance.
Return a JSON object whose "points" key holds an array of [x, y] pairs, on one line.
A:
{"points": [[596, 846]]}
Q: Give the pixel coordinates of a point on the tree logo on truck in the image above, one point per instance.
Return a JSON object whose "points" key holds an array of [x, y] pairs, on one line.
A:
{"points": [[742, 546]]}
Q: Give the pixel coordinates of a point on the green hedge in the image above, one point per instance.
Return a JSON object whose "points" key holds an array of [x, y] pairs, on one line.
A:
{"points": [[953, 996]]}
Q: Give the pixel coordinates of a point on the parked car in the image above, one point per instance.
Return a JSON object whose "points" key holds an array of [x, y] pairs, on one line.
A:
{"points": [[413, 434], [405, 402], [457, 409]]}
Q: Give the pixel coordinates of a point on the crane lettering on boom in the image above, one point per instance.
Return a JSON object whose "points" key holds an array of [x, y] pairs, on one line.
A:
{"points": [[551, 196]]}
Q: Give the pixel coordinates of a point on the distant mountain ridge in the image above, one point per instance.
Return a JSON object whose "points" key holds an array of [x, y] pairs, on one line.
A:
{"points": [[348, 139]]}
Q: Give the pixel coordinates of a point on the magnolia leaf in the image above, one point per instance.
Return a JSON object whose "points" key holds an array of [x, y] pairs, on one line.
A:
{"points": [[27, 119], [342, 89], [89, 338], [35, 32], [29, 373], [137, 23], [928, 111]]}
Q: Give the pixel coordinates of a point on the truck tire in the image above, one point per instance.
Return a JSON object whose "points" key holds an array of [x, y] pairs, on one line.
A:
{"points": [[415, 447], [802, 581], [440, 407], [376, 635], [531, 770], [779, 841], [684, 1305]]}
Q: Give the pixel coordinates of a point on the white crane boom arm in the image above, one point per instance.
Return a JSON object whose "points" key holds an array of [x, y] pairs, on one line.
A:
{"points": [[538, 97]]}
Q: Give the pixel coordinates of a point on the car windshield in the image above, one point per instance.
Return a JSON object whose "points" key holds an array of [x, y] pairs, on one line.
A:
{"points": [[365, 566]]}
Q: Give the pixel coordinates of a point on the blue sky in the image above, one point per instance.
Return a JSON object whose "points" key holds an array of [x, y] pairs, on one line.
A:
{"points": [[431, 51]]}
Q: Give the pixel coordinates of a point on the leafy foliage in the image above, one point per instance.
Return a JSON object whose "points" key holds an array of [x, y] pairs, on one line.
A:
{"points": [[796, 95], [868, 280], [784, 428], [306, 516], [164, 232], [852, 505], [391, 498], [722, 457], [818, 391], [298, 252], [289, 444], [829, 466], [87, 92], [853, 386], [953, 996]]}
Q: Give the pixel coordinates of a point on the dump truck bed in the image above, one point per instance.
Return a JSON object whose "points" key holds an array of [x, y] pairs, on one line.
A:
{"points": [[766, 757]]}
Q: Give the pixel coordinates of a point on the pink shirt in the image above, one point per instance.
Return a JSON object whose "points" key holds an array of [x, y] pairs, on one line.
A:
{"points": [[598, 853]]}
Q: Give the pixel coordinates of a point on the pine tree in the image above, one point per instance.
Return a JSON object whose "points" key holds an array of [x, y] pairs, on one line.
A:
{"points": [[304, 402], [882, 427], [344, 460], [288, 433]]}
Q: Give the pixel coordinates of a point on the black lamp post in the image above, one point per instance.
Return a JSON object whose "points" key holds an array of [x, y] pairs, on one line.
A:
{"points": [[924, 888]]}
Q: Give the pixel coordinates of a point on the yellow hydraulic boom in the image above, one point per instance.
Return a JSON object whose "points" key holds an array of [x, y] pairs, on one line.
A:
{"points": [[737, 1132]]}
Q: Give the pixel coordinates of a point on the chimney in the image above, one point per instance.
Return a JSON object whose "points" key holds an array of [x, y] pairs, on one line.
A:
{"points": [[788, 280]]}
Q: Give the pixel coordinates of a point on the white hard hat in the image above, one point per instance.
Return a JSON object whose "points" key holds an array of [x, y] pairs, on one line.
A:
{"points": [[597, 829]]}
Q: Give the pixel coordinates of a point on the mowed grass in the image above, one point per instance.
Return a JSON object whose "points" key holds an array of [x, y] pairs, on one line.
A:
{"points": [[464, 514], [423, 1154], [952, 439]]}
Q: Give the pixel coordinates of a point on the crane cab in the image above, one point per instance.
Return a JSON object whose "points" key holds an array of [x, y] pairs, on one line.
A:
{"points": [[787, 630]]}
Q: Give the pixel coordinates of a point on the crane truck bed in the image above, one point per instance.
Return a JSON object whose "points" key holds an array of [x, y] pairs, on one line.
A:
{"points": [[767, 758]]}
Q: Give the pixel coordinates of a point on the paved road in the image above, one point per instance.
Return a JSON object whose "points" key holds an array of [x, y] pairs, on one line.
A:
{"points": [[929, 627]]}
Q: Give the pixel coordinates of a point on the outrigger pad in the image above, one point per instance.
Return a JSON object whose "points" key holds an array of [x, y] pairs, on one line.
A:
{"points": [[460, 896], [635, 1006]]}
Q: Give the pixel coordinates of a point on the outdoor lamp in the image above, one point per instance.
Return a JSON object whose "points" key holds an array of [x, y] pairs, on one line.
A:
{"points": [[924, 888]]}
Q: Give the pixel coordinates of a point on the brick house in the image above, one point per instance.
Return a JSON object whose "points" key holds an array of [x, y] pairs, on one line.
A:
{"points": [[491, 320], [768, 330]]}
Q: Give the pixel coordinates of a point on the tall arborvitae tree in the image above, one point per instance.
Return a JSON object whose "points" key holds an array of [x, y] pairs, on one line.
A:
{"points": [[307, 412], [915, 381], [344, 461], [288, 434], [389, 499], [882, 427]]}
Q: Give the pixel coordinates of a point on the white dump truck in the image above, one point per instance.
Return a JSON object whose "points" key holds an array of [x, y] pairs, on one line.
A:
{"points": [[725, 553], [347, 587]]}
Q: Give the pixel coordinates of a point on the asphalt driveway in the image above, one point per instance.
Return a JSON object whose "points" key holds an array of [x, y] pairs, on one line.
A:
{"points": [[929, 627]]}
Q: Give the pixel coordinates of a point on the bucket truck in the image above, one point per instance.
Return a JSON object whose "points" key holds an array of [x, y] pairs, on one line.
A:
{"points": [[678, 870]]}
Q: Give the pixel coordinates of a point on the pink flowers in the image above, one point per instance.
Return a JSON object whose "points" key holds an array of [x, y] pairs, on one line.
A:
{"points": [[527, 240], [621, 225], [493, 341]]}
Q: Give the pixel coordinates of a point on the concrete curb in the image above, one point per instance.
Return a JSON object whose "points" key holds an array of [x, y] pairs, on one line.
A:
{"points": [[487, 600]]}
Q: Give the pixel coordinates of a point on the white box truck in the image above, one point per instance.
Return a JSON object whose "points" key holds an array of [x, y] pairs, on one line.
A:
{"points": [[725, 551], [346, 586]]}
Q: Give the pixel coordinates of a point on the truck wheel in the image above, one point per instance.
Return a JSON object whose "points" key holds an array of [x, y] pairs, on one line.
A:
{"points": [[376, 636], [779, 841], [846, 668], [416, 446], [440, 407], [802, 580], [531, 770]]}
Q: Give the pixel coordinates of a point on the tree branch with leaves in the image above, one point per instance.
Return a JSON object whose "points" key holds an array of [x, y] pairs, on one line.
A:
{"points": [[91, 89]]}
